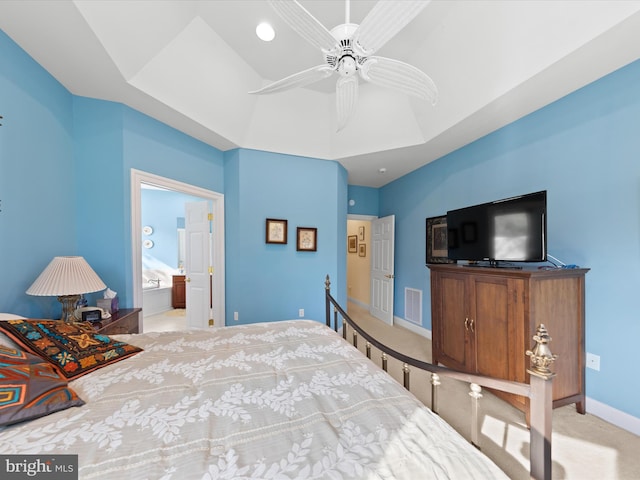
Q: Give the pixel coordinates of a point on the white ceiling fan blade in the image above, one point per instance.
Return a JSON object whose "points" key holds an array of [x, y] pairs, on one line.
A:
{"points": [[300, 79], [384, 20], [304, 24], [399, 76], [346, 99]]}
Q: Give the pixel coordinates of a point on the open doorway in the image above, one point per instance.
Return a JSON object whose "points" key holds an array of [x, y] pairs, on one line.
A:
{"points": [[370, 264], [359, 260], [141, 180]]}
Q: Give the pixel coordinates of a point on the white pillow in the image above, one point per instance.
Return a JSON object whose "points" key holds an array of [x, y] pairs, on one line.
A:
{"points": [[4, 340], [9, 316]]}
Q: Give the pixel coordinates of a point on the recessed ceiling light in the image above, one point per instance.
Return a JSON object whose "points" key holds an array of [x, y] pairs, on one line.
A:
{"points": [[382, 170], [265, 32]]}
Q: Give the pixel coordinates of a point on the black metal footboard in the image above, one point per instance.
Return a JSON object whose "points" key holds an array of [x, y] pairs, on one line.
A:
{"points": [[539, 390]]}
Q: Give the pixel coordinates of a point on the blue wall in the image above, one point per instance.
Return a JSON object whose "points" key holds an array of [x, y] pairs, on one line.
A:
{"points": [[37, 178], [110, 139], [305, 192], [65, 172], [585, 151], [366, 200]]}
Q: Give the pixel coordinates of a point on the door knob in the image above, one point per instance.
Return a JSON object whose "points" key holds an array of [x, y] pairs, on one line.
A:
{"points": [[389, 276], [187, 280]]}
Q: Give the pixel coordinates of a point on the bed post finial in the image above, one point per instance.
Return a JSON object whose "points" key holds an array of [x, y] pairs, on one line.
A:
{"points": [[541, 356], [541, 404], [327, 302]]}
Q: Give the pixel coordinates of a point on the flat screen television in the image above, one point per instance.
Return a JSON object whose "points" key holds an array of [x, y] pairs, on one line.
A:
{"points": [[509, 230]]}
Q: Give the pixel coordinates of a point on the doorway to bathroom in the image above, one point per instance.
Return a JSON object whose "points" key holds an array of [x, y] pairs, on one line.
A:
{"points": [[160, 253]]}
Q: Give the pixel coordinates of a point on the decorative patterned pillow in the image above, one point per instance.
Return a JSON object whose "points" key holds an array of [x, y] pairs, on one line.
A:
{"points": [[30, 388], [74, 349]]}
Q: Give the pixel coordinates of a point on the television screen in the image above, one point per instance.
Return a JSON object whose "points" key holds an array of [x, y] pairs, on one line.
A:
{"points": [[513, 229]]}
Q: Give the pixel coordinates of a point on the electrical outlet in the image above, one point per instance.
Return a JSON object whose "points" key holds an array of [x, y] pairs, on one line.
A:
{"points": [[593, 361], [301, 312], [235, 316]]}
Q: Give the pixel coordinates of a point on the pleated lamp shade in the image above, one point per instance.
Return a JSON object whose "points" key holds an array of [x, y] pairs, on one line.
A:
{"points": [[66, 276]]}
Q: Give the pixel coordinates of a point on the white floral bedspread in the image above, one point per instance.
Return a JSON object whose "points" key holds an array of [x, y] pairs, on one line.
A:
{"points": [[283, 400]]}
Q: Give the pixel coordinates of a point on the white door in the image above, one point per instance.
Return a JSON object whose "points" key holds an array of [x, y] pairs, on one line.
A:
{"points": [[198, 264], [382, 245]]}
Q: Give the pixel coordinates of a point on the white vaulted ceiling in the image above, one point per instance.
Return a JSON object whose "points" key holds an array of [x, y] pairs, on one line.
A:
{"points": [[190, 64]]}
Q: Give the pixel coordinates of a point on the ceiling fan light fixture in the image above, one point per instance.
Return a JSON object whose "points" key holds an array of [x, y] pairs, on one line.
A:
{"points": [[347, 66], [348, 48], [265, 32]]}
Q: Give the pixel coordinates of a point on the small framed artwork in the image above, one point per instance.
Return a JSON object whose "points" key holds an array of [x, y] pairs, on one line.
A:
{"points": [[362, 250], [352, 243], [307, 239], [437, 245], [276, 231], [361, 233]]}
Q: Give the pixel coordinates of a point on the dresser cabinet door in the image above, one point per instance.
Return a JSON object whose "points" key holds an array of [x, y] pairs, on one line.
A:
{"points": [[451, 342]]}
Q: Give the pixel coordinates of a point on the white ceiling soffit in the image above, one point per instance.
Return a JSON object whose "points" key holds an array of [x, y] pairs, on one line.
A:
{"points": [[190, 64]]}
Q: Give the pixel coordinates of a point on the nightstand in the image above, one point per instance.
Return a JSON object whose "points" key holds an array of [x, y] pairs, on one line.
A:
{"points": [[125, 320]]}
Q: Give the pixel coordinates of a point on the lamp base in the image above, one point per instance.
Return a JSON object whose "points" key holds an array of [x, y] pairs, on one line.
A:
{"points": [[68, 307]]}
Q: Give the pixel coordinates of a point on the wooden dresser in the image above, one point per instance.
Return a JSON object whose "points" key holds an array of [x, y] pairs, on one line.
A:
{"points": [[483, 321]]}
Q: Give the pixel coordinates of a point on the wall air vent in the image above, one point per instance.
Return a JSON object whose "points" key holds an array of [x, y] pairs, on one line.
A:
{"points": [[413, 305]]}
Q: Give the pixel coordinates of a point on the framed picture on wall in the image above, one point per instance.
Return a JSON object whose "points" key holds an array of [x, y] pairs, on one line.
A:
{"points": [[352, 243], [437, 243], [362, 250], [307, 239], [361, 233], [276, 231]]}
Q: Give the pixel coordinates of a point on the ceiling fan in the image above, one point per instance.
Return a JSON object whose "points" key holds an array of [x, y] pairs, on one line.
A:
{"points": [[348, 49]]}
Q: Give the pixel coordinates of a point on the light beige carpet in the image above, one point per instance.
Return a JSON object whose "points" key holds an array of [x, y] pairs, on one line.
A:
{"points": [[584, 447], [166, 321]]}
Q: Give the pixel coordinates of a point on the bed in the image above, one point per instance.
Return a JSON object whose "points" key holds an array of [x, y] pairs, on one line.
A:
{"points": [[282, 400]]}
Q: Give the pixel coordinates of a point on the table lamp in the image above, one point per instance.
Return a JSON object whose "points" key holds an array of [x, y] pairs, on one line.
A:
{"points": [[68, 278]]}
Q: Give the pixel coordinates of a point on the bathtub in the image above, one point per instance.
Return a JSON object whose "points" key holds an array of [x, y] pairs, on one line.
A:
{"points": [[155, 299], [157, 284]]}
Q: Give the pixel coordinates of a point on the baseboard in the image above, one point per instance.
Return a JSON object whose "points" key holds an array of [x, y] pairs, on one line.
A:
{"points": [[614, 416], [401, 322], [358, 302]]}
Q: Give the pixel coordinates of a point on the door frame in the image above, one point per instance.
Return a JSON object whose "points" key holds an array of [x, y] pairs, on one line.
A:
{"points": [[138, 177]]}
